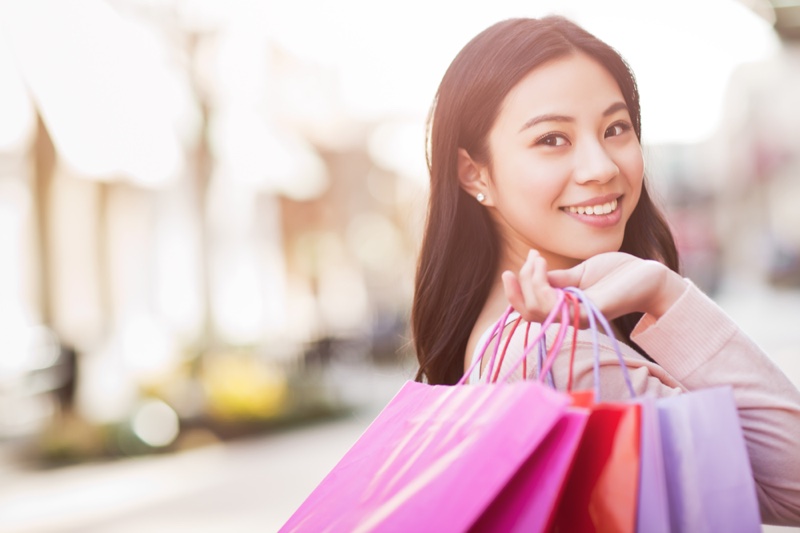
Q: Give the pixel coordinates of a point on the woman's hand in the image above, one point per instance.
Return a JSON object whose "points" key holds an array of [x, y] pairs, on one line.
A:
{"points": [[617, 283], [530, 293]]}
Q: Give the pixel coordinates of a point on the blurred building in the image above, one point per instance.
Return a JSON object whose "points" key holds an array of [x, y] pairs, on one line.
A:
{"points": [[204, 204], [183, 198], [755, 161]]}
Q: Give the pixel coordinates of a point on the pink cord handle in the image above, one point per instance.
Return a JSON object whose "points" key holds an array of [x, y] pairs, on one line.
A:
{"points": [[562, 307], [594, 313], [498, 327]]}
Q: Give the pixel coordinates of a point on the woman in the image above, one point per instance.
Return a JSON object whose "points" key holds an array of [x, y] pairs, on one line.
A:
{"points": [[537, 182]]}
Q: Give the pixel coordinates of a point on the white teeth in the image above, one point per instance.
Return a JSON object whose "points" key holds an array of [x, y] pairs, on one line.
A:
{"points": [[602, 209]]}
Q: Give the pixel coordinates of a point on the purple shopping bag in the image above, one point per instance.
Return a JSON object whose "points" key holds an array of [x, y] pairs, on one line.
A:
{"points": [[709, 479], [433, 459], [653, 506]]}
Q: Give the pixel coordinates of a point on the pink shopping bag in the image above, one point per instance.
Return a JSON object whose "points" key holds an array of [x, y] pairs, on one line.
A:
{"points": [[528, 501], [435, 458]]}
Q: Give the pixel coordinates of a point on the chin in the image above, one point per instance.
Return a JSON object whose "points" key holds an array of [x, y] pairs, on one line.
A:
{"points": [[590, 251]]}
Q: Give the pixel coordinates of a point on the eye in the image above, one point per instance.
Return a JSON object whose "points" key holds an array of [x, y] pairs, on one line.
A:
{"points": [[617, 129], [552, 139]]}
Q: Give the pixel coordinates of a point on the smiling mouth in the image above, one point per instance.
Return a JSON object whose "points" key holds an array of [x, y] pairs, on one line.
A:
{"points": [[600, 209]]}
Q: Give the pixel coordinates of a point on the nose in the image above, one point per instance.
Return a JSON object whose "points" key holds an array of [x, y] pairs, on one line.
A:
{"points": [[594, 164]]}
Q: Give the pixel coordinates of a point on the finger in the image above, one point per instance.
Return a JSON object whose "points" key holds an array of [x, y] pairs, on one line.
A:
{"points": [[526, 280], [513, 292], [566, 278], [545, 294]]}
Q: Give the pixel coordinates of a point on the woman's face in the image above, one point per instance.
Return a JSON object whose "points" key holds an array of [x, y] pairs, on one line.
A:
{"points": [[566, 166]]}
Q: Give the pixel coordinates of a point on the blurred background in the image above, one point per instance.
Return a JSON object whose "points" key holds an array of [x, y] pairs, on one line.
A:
{"points": [[210, 213]]}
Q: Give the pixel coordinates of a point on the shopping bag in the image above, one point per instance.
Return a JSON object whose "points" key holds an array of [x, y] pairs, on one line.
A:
{"points": [[704, 470], [601, 492], [435, 458], [653, 508], [709, 478], [528, 501]]}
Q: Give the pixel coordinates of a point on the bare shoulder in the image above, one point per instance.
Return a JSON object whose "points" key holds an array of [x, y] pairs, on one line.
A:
{"points": [[491, 313]]}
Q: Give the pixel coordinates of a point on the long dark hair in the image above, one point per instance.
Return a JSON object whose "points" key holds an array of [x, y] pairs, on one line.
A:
{"points": [[460, 251]]}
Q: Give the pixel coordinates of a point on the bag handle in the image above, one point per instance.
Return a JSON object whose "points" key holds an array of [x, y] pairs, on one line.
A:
{"points": [[576, 324], [560, 299], [564, 298], [595, 315], [504, 350], [561, 307], [542, 344]]}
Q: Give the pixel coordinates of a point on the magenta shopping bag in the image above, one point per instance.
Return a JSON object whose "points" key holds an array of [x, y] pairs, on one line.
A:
{"points": [[528, 501], [437, 456], [433, 459], [709, 479]]}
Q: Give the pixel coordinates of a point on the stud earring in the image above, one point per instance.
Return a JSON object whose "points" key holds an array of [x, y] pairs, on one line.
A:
{"points": [[480, 197]]}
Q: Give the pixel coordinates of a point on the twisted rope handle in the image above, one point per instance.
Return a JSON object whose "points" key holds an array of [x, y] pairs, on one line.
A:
{"points": [[498, 327], [594, 313], [562, 307]]}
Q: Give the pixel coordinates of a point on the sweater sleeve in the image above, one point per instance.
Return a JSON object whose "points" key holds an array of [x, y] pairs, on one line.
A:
{"points": [[700, 346]]}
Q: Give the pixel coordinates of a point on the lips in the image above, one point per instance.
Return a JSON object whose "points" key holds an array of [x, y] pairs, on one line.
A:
{"points": [[600, 213], [602, 205], [598, 209]]}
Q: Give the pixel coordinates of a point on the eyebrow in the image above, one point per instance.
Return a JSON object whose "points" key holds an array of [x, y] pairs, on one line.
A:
{"points": [[613, 108]]}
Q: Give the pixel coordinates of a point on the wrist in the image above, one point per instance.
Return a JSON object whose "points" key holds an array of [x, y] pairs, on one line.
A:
{"points": [[670, 287]]}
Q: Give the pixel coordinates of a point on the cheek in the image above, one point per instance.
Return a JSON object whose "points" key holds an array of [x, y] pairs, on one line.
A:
{"points": [[632, 167], [527, 185]]}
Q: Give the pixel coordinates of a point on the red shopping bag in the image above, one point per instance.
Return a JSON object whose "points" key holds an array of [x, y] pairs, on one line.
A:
{"points": [[436, 458], [695, 475], [601, 492], [594, 485]]}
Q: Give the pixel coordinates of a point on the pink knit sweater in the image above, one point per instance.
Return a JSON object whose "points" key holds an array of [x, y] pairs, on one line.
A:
{"points": [[698, 346]]}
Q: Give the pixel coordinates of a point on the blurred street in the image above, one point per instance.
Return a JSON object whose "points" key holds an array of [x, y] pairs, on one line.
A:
{"points": [[256, 483], [210, 215], [248, 485]]}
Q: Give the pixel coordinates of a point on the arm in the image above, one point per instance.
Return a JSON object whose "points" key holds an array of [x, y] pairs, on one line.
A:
{"points": [[696, 344]]}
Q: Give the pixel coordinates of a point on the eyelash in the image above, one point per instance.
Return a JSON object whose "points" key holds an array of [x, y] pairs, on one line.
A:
{"points": [[542, 140], [623, 126]]}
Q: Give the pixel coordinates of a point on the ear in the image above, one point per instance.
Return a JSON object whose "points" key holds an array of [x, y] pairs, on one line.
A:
{"points": [[473, 176]]}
